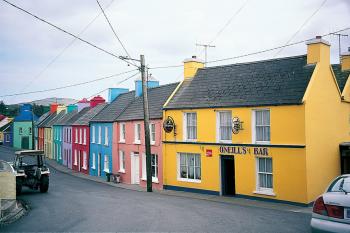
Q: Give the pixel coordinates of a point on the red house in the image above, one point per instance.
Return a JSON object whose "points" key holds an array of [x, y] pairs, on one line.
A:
{"points": [[81, 136]]}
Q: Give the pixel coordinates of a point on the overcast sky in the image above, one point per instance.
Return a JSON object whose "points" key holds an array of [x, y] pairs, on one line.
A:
{"points": [[166, 32]]}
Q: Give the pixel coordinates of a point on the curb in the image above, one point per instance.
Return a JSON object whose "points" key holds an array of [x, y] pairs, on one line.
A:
{"points": [[21, 209], [240, 202]]}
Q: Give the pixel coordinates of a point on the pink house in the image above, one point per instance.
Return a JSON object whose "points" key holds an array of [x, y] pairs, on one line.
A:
{"points": [[129, 158]]}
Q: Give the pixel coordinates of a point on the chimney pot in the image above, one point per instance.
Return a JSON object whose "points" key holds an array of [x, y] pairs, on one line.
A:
{"points": [[194, 56], [318, 37]]}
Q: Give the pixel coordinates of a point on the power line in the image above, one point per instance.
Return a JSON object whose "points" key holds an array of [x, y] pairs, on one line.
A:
{"points": [[63, 50], [254, 53], [114, 32], [301, 27], [71, 85], [69, 33]]}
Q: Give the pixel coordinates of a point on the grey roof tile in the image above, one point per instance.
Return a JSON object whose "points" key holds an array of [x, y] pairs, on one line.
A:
{"points": [[157, 97], [115, 108], [65, 118], [84, 119], [47, 120], [341, 76], [270, 82], [42, 118], [56, 118]]}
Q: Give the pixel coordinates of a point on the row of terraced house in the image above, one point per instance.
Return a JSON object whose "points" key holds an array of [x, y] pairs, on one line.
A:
{"points": [[275, 129]]}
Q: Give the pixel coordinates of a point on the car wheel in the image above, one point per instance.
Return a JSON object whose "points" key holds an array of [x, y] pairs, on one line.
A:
{"points": [[44, 184]]}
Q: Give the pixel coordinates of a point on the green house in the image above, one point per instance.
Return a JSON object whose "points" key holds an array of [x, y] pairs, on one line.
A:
{"points": [[23, 134]]}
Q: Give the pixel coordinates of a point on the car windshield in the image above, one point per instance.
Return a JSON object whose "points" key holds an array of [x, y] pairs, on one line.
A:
{"points": [[342, 184], [28, 161]]}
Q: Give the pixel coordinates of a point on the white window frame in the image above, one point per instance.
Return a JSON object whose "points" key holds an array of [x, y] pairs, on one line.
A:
{"points": [[137, 136], [93, 136], [122, 161], [99, 135], [185, 135], [263, 190], [179, 178], [75, 158], [106, 164], [144, 169], [106, 136], [20, 129], [80, 136], [93, 161], [152, 133], [76, 135], [84, 137], [218, 127], [122, 132], [254, 126], [84, 160]]}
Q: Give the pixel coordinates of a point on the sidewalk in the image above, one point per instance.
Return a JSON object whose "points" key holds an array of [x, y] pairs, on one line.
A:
{"points": [[229, 200]]}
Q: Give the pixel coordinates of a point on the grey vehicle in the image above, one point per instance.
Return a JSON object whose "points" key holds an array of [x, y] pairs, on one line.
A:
{"points": [[31, 170], [331, 210]]}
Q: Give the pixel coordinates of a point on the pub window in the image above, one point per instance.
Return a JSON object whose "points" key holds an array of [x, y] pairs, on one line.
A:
{"points": [[262, 126], [264, 174], [189, 167], [225, 126], [190, 126]]}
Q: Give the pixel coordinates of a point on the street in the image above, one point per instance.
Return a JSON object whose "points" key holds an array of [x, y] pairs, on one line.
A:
{"points": [[75, 204]]}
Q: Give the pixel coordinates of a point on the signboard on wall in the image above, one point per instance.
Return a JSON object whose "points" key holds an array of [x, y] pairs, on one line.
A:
{"points": [[243, 150]]}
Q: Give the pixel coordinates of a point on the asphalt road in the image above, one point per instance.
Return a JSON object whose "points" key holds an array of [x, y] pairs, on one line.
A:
{"points": [[75, 204]]}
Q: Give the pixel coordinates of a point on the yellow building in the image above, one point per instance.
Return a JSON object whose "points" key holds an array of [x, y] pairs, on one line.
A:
{"points": [[267, 129]]}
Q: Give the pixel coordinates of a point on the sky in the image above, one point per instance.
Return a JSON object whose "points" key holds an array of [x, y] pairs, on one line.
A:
{"points": [[35, 56]]}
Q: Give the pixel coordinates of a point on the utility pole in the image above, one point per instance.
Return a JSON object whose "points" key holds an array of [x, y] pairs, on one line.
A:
{"points": [[206, 46], [146, 124], [339, 43]]}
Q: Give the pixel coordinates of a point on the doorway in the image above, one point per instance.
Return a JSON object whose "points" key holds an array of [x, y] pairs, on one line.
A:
{"points": [[25, 143], [228, 184], [135, 168]]}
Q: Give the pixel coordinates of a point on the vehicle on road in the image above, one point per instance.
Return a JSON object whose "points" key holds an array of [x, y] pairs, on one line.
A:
{"points": [[331, 210], [31, 170]]}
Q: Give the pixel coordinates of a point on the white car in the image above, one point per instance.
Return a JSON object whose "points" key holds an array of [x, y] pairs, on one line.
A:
{"points": [[331, 210]]}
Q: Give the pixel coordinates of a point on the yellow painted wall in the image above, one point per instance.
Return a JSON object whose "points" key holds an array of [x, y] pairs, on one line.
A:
{"points": [[289, 166], [48, 142], [345, 62], [327, 125]]}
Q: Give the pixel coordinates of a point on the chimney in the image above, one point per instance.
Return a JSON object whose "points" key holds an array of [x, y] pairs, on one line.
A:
{"points": [[318, 51], [345, 60], [71, 108], [96, 101], [113, 93], [191, 65], [83, 104], [53, 107], [60, 108], [152, 82]]}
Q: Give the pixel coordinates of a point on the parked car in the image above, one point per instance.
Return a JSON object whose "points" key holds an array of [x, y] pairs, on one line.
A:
{"points": [[331, 210], [31, 170]]}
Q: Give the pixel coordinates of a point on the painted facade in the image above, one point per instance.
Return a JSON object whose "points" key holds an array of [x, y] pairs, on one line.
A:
{"points": [[8, 135], [4, 122], [23, 128], [278, 151], [57, 142]]}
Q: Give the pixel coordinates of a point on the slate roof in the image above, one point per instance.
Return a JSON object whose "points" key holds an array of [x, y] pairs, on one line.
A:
{"points": [[56, 118], [114, 109], [157, 96], [5, 127], [341, 76], [42, 118], [84, 119], [47, 120], [76, 116], [65, 118], [280, 81]]}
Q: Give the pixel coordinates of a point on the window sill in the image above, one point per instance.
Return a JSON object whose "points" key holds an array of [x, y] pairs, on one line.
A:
{"points": [[262, 142], [189, 180], [265, 192], [225, 141], [105, 144], [122, 141], [154, 180], [153, 143], [93, 168], [106, 171], [137, 143], [190, 140], [122, 171]]}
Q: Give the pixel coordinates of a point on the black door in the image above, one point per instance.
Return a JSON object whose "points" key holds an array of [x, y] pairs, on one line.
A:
{"points": [[25, 143], [228, 175]]}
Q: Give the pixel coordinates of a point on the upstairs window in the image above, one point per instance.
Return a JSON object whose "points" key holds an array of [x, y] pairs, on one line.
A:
{"points": [[76, 136], [138, 133], [262, 126], [122, 132], [224, 126], [99, 135], [152, 129], [190, 126], [84, 138], [30, 130], [80, 136], [93, 134], [20, 130], [106, 136]]}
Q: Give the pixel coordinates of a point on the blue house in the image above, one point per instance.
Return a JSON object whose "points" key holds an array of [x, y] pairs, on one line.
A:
{"points": [[23, 135], [101, 131], [7, 131]]}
